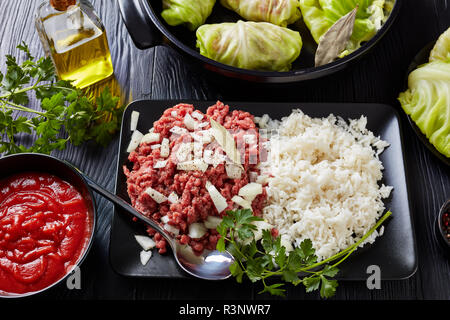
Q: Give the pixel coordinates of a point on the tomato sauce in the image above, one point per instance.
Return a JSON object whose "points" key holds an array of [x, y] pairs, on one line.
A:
{"points": [[44, 229]]}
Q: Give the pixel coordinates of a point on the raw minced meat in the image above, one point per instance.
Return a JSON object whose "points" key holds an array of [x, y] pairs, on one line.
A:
{"points": [[194, 202]]}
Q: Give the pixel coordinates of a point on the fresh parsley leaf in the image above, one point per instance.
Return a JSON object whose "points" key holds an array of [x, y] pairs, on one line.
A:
{"points": [[24, 47], [311, 283], [290, 276], [328, 287], [275, 289], [267, 241], [306, 252], [66, 113], [254, 269], [330, 271], [280, 256], [221, 244], [237, 271]]}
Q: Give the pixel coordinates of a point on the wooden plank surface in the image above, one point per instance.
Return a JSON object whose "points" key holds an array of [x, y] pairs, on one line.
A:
{"points": [[163, 73]]}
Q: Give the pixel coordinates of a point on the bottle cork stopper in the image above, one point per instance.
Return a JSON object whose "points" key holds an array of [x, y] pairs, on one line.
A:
{"points": [[62, 5]]}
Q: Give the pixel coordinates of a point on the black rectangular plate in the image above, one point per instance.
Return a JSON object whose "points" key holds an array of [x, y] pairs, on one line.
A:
{"points": [[394, 253]]}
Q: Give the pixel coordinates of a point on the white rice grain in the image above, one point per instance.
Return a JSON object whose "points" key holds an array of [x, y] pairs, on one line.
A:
{"points": [[323, 181]]}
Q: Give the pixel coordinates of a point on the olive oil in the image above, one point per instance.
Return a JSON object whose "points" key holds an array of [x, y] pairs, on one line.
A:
{"points": [[76, 41]]}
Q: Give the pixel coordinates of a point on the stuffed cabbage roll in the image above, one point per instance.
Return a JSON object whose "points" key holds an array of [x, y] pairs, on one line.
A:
{"points": [[192, 13], [279, 12], [427, 100], [320, 15], [250, 45]]}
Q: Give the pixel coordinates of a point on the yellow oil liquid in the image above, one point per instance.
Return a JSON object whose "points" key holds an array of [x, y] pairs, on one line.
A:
{"points": [[79, 49], [85, 64]]}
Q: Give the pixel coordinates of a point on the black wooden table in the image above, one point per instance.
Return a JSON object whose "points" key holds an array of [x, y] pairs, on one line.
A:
{"points": [[162, 73]]}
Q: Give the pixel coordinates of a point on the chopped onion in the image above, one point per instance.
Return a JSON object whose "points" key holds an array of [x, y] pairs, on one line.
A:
{"points": [[193, 165], [198, 150], [214, 159], [155, 195], [203, 136], [155, 146], [197, 115], [165, 148], [178, 130], [219, 201], [184, 152], [171, 229], [202, 125], [212, 222], [174, 114], [150, 137], [208, 156], [145, 257], [189, 122], [135, 140], [242, 202], [250, 191], [134, 120], [145, 242], [165, 219], [233, 171], [173, 198], [197, 230], [160, 164]]}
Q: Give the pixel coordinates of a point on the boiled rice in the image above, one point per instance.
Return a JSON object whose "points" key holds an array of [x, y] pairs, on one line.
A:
{"points": [[323, 178]]}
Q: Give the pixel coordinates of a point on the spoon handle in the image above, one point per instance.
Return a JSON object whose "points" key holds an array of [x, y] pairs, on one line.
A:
{"points": [[123, 205]]}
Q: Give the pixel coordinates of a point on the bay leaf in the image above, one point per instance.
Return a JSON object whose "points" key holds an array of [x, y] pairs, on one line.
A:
{"points": [[226, 141], [335, 40]]}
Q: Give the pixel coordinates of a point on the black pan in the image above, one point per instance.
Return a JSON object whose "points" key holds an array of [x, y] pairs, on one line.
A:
{"points": [[148, 29]]}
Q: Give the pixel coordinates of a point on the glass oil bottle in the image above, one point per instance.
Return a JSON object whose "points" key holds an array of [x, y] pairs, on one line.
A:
{"points": [[74, 37]]}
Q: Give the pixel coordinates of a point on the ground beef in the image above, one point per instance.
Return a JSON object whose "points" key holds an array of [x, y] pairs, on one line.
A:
{"points": [[195, 203]]}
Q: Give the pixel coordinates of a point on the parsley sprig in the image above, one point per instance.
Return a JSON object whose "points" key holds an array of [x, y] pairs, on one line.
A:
{"points": [[66, 113], [259, 261]]}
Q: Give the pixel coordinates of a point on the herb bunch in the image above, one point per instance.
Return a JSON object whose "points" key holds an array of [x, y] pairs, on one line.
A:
{"points": [[259, 261], [63, 108]]}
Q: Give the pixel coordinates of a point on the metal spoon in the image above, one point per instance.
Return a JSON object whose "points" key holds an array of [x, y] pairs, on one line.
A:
{"points": [[212, 265]]}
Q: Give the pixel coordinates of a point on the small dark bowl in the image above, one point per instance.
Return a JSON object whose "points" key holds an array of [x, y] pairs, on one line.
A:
{"points": [[439, 230], [32, 162]]}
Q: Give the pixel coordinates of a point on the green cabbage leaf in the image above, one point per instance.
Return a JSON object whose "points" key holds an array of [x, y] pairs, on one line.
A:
{"points": [[250, 45], [427, 102], [191, 13], [279, 12], [320, 15], [441, 50]]}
